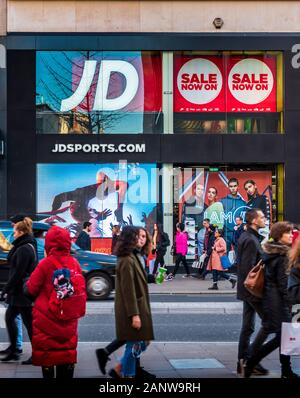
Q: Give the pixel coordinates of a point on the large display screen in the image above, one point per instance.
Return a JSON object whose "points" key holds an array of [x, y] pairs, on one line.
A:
{"points": [[104, 194], [227, 92], [94, 92], [222, 197]]}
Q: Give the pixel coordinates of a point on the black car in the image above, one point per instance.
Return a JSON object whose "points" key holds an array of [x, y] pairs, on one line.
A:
{"points": [[98, 269]]}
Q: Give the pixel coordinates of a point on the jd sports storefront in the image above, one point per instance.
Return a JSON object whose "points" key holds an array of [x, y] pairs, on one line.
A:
{"points": [[208, 109]]}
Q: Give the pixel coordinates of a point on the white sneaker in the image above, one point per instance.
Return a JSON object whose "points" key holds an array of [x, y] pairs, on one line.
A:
{"points": [[186, 276], [169, 278]]}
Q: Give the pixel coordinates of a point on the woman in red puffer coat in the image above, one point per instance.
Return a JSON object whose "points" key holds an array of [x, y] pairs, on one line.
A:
{"points": [[54, 342]]}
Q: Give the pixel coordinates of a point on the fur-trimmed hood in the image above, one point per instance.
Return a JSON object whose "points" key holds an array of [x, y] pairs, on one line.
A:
{"points": [[275, 248]]}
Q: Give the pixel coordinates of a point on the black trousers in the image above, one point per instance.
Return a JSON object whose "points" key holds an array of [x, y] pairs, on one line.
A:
{"points": [[62, 371], [266, 349], [159, 260], [180, 258], [115, 345], [10, 319], [250, 309], [223, 274]]}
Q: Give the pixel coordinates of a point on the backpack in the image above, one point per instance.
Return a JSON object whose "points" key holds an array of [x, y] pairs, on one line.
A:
{"points": [[68, 297], [167, 239]]}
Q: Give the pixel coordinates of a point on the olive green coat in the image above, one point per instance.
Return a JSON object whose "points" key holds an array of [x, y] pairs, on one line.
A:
{"points": [[132, 298]]}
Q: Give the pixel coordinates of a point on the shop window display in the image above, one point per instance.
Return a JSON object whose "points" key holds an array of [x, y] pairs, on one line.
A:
{"points": [[228, 92], [223, 197]]}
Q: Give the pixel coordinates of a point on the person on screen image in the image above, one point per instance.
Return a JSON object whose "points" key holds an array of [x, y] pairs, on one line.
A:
{"points": [[194, 207], [255, 200], [95, 197], [215, 209], [233, 205]]}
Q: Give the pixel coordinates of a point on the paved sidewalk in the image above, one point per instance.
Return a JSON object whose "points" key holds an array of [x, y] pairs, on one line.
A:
{"points": [[190, 285], [171, 359], [107, 307]]}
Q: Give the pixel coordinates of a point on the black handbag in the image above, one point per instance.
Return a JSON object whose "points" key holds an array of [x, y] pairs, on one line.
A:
{"points": [[173, 250]]}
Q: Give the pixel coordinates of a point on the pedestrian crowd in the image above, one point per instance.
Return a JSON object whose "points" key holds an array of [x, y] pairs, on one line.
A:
{"points": [[49, 296]]}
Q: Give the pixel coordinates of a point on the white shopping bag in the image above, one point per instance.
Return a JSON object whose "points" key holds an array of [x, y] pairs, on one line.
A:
{"points": [[231, 256], [199, 263], [151, 265], [290, 338]]}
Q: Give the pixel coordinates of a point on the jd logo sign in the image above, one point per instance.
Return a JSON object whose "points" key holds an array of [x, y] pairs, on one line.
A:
{"points": [[101, 100]]}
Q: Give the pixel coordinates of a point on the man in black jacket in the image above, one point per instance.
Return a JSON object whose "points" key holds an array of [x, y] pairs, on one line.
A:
{"points": [[249, 253], [84, 240]]}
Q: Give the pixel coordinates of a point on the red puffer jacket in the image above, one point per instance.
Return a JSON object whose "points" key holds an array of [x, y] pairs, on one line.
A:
{"points": [[54, 342]]}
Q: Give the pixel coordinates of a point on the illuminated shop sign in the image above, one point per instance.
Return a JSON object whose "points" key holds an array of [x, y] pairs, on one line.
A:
{"points": [[91, 81], [99, 148], [229, 84], [105, 76]]}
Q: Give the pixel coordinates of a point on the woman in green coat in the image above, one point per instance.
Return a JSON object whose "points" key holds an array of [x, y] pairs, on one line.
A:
{"points": [[132, 304]]}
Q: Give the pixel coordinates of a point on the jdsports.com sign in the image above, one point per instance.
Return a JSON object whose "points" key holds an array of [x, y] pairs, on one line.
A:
{"points": [[203, 83]]}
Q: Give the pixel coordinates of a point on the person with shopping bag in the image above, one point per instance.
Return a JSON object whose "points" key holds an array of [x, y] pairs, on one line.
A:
{"points": [[276, 306], [215, 263], [290, 336]]}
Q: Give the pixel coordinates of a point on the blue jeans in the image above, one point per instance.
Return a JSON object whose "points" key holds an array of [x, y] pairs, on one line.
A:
{"points": [[20, 332], [132, 351]]}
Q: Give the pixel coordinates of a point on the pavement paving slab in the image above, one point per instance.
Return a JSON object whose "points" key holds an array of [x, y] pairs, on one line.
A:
{"points": [[160, 358]]}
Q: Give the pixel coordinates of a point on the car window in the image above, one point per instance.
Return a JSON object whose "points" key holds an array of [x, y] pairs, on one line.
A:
{"points": [[40, 242], [7, 237], [41, 245], [4, 243], [75, 247]]}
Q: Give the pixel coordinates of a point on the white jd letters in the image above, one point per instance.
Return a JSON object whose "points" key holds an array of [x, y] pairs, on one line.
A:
{"points": [[101, 102]]}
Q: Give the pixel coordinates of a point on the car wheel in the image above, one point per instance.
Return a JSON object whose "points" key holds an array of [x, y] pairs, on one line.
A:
{"points": [[98, 286]]}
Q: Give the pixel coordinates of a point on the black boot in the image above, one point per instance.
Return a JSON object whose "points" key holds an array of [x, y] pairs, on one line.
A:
{"points": [[287, 372], [27, 362], [214, 286], [141, 373], [65, 371], [233, 282], [102, 358], [48, 372], [6, 351], [11, 356], [247, 369]]}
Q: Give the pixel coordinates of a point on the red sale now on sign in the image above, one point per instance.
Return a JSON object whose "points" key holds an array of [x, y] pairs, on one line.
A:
{"points": [[198, 84], [251, 85], [201, 84]]}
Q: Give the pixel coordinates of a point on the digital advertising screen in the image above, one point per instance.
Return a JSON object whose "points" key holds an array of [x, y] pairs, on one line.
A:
{"points": [[103, 194]]}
